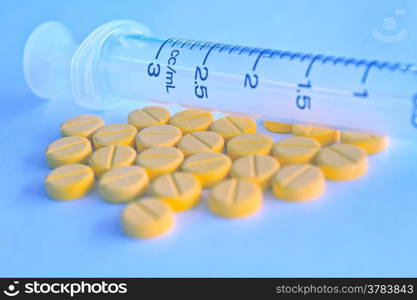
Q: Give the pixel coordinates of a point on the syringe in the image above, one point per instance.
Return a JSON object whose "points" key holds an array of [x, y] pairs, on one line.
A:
{"points": [[120, 61]]}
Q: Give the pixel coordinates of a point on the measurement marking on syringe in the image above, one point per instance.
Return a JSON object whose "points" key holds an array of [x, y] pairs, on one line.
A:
{"points": [[243, 50], [326, 59], [185, 43], [194, 44], [160, 48], [258, 58], [181, 42], [349, 61], [313, 60], [253, 51], [208, 53], [233, 49], [274, 53], [302, 99], [201, 73], [368, 68], [204, 45], [222, 48], [296, 55], [369, 65], [174, 43], [284, 54], [251, 80], [200, 91]]}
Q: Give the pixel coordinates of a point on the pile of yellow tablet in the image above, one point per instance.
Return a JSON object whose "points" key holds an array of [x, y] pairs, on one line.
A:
{"points": [[159, 164]]}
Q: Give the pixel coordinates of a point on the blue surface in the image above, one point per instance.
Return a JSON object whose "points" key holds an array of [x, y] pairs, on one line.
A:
{"points": [[360, 228]]}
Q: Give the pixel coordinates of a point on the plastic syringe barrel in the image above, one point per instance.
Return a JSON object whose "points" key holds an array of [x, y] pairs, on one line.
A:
{"points": [[120, 61]]}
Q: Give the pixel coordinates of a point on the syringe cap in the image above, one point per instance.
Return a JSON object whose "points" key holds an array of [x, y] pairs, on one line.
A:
{"points": [[47, 60]]}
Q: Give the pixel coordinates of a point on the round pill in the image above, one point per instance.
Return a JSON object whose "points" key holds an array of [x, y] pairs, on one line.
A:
{"points": [[257, 168], [295, 149], [179, 189], [109, 157], [278, 127], [82, 125], [201, 141], [160, 160], [208, 167], [342, 161], [148, 116], [235, 198], [115, 134], [370, 143], [123, 184], [191, 120], [146, 218], [249, 144], [69, 182], [68, 150], [231, 126], [324, 136], [299, 182], [157, 136]]}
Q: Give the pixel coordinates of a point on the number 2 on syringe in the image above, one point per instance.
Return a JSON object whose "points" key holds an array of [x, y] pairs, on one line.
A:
{"points": [[251, 81]]}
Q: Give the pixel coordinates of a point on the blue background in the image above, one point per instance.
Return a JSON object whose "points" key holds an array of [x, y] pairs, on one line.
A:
{"points": [[365, 227]]}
